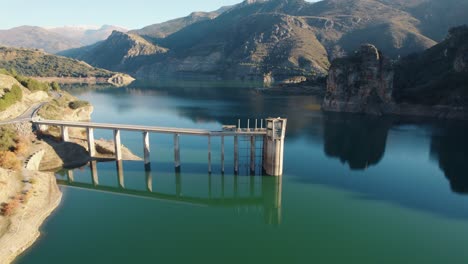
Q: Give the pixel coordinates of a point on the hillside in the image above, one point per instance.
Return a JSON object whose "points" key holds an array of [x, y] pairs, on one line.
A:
{"points": [[162, 30], [438, 76], [279, 38], [37, 63], [36, 38], [115, 52]]}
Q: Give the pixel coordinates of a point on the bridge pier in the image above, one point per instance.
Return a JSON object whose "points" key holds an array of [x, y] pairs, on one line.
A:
{"points": [[273, 146], [94, 172], [146, 147], [222, 154], [117, 145], [65, 136], [120, 173], [91, 146], [236, 154], [252, 154], [176, 151]]}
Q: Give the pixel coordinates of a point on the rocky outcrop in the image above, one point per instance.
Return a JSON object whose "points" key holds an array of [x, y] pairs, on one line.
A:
{"points": [[120, 80], [362, 83]]}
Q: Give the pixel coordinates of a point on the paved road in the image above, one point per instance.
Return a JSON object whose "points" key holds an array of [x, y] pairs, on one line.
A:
{"points": [[26, 116], [29, 114]]}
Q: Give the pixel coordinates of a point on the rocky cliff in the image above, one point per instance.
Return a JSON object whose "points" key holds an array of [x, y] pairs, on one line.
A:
{"points": [[362, 83], [432, 83], [438, 76]]}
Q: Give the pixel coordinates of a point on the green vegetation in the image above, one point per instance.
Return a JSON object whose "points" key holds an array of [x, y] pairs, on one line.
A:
{"points": [[33, 85], [39, 64], [10, 97], [55, 86], [78, 104], [55, 109]]}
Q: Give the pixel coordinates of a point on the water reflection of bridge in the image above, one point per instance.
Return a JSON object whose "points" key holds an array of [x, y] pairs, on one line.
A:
{"points": [[268, 199]]}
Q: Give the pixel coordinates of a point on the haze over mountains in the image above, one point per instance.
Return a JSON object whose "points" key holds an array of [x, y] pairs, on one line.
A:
{"points": [[53, 40]]}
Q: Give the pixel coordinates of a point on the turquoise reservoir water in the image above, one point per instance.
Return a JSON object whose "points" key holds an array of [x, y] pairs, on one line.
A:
{"points": [[355, 189]]}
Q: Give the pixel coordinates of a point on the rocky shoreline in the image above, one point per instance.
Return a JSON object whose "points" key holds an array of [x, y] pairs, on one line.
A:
{"points": [[34, 202]]}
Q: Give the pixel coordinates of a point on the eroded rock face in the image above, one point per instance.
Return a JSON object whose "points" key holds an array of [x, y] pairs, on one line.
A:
{"points": [[362, 83]]}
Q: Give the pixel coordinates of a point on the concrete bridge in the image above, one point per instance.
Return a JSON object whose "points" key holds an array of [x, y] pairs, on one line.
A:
{"points": [[272, 136]]}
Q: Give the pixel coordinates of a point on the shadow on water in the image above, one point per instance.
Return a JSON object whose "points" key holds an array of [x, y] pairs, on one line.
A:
{"points": [[357, 140], [264, 192], [449, 147], [361, 142]]}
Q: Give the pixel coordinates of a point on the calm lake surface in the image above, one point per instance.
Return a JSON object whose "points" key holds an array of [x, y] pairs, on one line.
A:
{"points": [[355, 189]]}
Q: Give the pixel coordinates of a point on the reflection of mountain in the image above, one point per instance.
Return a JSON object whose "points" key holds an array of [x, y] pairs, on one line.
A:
{"points": [[357, 140], [450, 148]]}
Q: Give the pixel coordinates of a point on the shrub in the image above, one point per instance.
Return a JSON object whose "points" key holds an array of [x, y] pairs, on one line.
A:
{"points": [[8, 139], [11, 97], [9, 161], [55, 86], [33, 85], [78, 104]]}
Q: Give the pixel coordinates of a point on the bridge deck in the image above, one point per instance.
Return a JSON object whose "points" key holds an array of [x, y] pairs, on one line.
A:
{"points": [[152, 129]]}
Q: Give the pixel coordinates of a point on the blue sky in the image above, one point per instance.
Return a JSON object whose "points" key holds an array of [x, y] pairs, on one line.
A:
{"points": [[127, 13]]}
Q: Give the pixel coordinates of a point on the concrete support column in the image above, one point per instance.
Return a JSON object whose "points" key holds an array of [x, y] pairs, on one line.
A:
{"points": [[146, 147], [236, 154], [117, 145], [209, 154], [252, 154], [91, 146], [176, 151], [273, 146], [222, 154], [149, 180], [120, 173], [94, 172], [65, 136], [71, 177]]}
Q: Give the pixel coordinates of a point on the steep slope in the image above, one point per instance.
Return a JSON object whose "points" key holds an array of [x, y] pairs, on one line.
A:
{"points": [[36, 38], [435, 16], [256, 45], [438, 76], [115, 51], [162, 30]]}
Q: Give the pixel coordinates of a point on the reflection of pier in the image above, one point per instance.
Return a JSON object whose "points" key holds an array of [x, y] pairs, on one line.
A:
{"points": [[267, 197], [272, 136]]}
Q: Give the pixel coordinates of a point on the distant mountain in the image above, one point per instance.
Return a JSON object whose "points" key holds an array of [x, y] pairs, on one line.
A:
{"points": [[87, 35], [116, 51], [54, 40], [36, 38], [282, 38]]}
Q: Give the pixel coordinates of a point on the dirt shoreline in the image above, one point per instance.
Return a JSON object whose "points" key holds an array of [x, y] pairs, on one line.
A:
{"points": [[41, 196]]}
